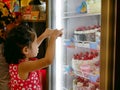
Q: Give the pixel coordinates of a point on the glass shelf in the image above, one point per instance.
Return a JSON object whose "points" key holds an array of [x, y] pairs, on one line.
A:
{"points": [[75, 15]]}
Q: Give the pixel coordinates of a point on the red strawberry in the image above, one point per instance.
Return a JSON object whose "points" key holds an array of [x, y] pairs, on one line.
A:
{"points": [[96, 53]]}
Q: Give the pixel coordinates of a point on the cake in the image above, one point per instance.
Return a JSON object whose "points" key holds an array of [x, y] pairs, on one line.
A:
{"points": [[85, 62], [83, 84], [90, 83], [86, 33]]}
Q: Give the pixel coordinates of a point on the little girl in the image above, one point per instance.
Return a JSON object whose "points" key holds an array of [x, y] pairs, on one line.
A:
{"points": [[20, 48]]}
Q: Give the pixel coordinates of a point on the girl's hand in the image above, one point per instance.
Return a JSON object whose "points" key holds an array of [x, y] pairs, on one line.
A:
{"points": [[49, 32], [57, 33]]}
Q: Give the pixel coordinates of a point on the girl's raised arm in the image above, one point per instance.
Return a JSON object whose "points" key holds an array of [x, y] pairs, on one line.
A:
{"points": [[44, 35], [29, 66]]}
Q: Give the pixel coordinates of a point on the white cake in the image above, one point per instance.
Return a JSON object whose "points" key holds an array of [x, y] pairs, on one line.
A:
{"points": [[86, 34], [84, 62], [83, 84]]}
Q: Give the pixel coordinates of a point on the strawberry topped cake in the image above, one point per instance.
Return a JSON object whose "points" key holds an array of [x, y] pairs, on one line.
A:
{"points": [[85, 61], [86, 33], [86, 66]]}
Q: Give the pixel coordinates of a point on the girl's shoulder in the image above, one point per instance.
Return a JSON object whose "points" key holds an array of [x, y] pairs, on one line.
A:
{"points": [[31, 59]]}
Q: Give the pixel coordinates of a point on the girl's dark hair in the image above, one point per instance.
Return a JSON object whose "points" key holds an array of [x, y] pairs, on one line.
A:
{"points": [[19, 37]]}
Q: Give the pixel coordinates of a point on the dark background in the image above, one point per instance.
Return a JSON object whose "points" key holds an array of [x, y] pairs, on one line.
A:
{"points": [[117, 55]]}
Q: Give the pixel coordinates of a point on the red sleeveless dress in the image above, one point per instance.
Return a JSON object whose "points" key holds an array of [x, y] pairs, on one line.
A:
{"points": [[33, 82]]}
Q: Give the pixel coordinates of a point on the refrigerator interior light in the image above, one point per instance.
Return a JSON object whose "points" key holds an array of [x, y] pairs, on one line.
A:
{"points": [[58, 46]]}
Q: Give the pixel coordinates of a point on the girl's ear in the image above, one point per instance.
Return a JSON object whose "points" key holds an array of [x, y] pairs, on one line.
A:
{"points": [[25, 50]]}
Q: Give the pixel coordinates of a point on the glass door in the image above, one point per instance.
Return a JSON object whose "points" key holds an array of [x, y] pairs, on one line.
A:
{"points": [[78, 52], [78, 64]]}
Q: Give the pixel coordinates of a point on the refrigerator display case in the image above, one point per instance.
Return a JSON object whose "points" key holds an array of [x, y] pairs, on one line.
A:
{"points": [[83, 55]]}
